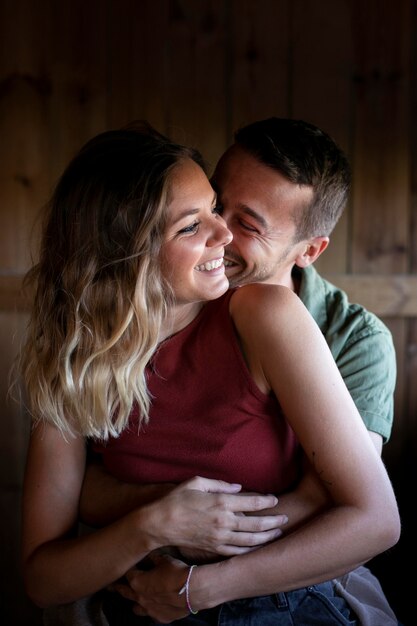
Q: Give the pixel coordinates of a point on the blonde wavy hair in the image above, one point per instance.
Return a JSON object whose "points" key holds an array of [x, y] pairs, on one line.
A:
{"points": [[100, 298]]}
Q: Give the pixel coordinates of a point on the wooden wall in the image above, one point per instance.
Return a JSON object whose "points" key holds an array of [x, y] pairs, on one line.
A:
{"points": [[197, 69]]}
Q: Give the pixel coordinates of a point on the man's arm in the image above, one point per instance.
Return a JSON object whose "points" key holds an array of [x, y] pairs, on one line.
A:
{"points": [[105, 499]]}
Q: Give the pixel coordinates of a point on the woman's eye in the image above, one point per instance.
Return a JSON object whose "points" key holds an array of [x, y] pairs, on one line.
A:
{"points": [[218, 209], [192, 228]]}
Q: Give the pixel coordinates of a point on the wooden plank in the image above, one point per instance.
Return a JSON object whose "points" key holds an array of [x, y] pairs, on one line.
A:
{"points": [[321, 91], [182, 112], [212, 133], [14, 423], [76, 63], [24, 95], [385, 295], [195, 76], [381, 164], [321, 55], [121, 24], [260, 64], [137, 62], [12, 296]]}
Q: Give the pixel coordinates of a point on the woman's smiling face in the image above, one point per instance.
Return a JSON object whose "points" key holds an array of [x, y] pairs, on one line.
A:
{"points": [[195, 237]]}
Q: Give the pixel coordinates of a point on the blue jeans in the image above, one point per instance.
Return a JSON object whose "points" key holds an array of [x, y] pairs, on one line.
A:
{"points": [[316, 606]]}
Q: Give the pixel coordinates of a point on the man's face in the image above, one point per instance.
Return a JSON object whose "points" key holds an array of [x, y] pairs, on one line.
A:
{"points": [[258, 205]]}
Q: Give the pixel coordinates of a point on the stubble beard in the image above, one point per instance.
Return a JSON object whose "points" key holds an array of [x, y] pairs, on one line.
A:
{"points": [[256, 275]]}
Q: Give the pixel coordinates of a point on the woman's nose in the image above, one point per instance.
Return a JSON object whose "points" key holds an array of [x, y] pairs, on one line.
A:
{"points": [[221, 234]]}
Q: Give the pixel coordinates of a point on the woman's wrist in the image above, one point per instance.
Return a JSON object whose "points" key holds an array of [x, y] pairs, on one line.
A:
{"points": [[185, 589], [205, 588]]}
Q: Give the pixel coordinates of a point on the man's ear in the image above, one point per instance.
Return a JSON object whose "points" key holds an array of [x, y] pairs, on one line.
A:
{"points": [[311, 251]]}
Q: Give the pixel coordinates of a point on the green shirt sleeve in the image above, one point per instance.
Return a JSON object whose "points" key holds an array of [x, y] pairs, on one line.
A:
{"points": [[365, 356], [361, 345]]}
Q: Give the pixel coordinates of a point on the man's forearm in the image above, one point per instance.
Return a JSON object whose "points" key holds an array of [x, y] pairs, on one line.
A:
{"points": [[303, 503], [104, 499]]}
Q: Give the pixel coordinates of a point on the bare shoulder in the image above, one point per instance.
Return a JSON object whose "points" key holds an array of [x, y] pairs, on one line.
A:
{"points": [[259, 301], [272, 317]]}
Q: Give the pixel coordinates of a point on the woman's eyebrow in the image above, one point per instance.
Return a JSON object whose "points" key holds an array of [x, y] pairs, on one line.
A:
{"points": [[185, 213], [192, 211]]}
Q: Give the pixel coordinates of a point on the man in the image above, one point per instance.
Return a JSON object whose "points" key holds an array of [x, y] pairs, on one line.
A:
{"points": [[281, 188]]}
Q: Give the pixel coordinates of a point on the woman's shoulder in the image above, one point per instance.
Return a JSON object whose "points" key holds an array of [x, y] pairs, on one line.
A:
{"points": [[260, 298], [265, 314]]}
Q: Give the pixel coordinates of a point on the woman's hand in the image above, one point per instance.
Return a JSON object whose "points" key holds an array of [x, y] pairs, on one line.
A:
{"points": [[210, 515]]}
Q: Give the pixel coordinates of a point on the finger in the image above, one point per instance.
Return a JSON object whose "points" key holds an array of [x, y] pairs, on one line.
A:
{"points": [[261, 523], [248, 503], [249, 540], [211, 485], [132, 574], [139, 610], [125, 591], [134, 579], [228, 551]]}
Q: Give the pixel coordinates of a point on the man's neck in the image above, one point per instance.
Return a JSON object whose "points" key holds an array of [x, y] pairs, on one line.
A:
{"points": [[296, 279]]}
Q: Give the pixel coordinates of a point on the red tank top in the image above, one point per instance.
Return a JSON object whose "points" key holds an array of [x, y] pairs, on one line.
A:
{"points": [[208, 417]]}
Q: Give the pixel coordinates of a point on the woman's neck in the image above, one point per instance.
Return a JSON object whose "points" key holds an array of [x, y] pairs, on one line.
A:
{"points": [[179, 316]]}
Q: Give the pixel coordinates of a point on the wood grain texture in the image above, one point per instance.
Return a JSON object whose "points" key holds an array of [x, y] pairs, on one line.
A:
{"points": [[321, 86], [198, 69], [388, 295]]}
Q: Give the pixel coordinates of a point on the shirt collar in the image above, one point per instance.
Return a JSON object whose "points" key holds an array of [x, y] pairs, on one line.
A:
{"points": [[312, 293]]}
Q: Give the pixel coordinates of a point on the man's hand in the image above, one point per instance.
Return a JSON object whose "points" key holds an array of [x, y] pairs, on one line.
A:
{"points": [[155, 593]]}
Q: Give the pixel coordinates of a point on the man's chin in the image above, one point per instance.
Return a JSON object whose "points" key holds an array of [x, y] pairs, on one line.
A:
{"points": [[234, 276]]}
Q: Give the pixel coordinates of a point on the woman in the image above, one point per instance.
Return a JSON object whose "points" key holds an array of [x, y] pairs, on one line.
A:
{"points": [[130, 274], [100, 293]]}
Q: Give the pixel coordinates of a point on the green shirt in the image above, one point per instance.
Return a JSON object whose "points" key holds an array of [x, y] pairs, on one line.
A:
{"points": [[361, 345]]}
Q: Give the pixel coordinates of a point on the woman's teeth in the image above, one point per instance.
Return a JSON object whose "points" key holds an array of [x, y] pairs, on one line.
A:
{"points": [[210, 265]]}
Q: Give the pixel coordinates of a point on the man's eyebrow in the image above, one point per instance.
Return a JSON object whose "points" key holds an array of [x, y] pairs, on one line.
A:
{"points": [[256, 216]]}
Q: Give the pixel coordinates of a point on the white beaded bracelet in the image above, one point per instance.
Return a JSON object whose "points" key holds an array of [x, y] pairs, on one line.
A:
{"points": [[186, 588]]}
